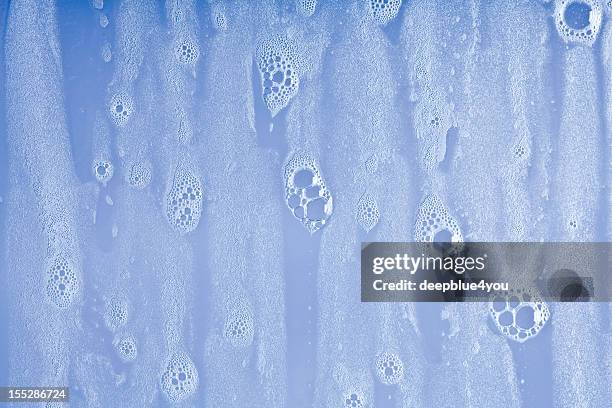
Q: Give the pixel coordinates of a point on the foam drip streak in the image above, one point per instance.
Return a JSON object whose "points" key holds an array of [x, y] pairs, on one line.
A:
{"points": [[606, 62], [472, 188], [576, 195], [527, 95], [245, 352], [363, 149], [41, 234], [304, 132]]}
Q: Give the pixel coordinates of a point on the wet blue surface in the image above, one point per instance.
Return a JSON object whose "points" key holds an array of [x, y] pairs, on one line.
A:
{"points": [[504, 126]]}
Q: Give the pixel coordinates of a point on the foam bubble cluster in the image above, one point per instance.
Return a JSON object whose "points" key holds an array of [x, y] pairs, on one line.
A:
{"points": [[278, 64], [179, 379], [354, 399], [239, 327], [384, 11], [126, 348], [187, 51], [62, 284], [368, 213], [139, 175], [184, 201], [578, 21], [121, 107], [306, 7], [434, 223], [219, 19], [103, 170], [520, 151], [519, 314], [389, 368], [116, 313], [305, 193]]}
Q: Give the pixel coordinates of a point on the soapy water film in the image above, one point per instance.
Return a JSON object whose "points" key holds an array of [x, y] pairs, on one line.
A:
{"points": [[185, 185]]}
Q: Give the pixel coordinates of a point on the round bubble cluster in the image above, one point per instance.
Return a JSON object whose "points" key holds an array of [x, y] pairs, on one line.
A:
{"points": [[219, 20], [278, 64], [578, 21], [306, 7], [384, 11], [368, 213], [121, 107], [187, 52], [354, 399], [239, 328], [116, 313], [434, 223], [126, 348], [102, 170], [140, 174], [62, 283], [180, 378], [389, 368], [184, 201], [306, 194], [519, 314]]}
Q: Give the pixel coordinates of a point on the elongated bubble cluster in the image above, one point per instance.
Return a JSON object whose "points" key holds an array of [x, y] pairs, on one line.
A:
{"points": [[115, 313], [184, 201], [368, 213], [306, 194], [219, 18], [278, 66], [239, 327], [62, 282]]}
